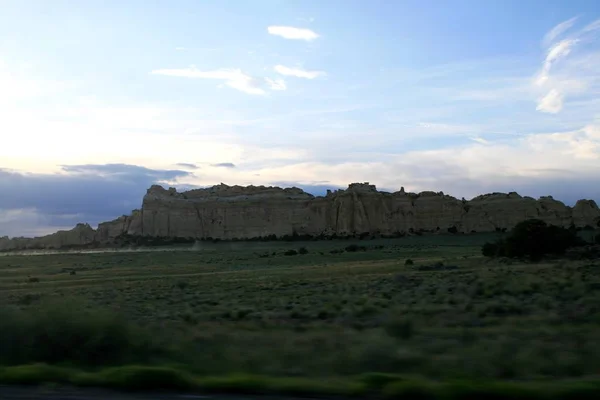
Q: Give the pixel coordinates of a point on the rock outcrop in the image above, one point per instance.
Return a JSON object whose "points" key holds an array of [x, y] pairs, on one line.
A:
{"points": [[81, 235], [237, 212]]}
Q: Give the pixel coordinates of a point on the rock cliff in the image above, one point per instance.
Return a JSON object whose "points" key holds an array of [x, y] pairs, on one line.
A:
{"points": [[237, 212]]}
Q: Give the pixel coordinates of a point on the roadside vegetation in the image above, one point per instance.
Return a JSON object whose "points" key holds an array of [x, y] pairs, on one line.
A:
{"points": [[423, 317]]}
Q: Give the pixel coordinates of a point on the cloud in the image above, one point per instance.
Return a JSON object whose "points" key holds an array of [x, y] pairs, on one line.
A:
{"points": [[556, 52], [551, 103], [592, 26], [288, 32], [480, 140], [44, 203], [298, 72], [233, 78], [309, 20], [125, 171], [276, 84], [567, 78], [187, 165], [224, 165], [29, 223], [558, 30]]}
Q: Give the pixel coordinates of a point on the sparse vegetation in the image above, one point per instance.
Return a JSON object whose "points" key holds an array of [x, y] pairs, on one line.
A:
{"points": [[330, 321]]}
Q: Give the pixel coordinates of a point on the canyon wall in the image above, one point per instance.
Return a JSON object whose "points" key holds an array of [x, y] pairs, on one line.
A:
{"points": [[236, 212]]}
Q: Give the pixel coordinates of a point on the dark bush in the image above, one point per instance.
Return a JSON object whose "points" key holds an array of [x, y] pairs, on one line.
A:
{"points": [[452, 229], [182, 285], [409, 262], [60, 333], [399, 328], [290, 252], [491, 249], [533, 239], [302, 250], [354, 247]]}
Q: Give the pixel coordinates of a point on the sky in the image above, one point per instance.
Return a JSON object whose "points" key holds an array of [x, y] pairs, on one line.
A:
{"points": [[101, 99]]}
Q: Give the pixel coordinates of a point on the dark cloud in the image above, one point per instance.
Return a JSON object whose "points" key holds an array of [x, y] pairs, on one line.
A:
{"points": [[187, 165], [125, 171], [85, 193], [224, 165]]}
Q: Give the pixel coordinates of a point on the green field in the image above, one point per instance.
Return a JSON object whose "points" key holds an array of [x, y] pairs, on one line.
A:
{"points": [[247, 308]]}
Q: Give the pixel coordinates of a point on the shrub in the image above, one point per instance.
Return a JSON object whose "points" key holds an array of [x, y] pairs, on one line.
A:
{"points": [[399, 328], [533, 239], [34, 374], [65, 333], [290, 252], [182, 284], [354, 247], [302, 250], [409, 262]]}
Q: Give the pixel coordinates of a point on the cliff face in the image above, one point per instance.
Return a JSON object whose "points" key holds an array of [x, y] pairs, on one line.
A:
{"points": [[227, 212]]}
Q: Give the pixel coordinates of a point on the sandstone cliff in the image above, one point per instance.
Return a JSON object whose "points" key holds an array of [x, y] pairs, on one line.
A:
{"points": [[236, 212]]}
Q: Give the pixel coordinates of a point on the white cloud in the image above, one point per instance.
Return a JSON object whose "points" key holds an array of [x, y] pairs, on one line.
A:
{"points": [[480, 140], [556, 52], [593, 26], [298, 72], [289, 32], [551, 103], [558, 30], [233, 78], [572, 76], [276, 84]]}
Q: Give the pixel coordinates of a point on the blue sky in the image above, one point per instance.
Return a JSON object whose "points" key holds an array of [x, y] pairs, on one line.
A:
{"points": [[102, 99]]}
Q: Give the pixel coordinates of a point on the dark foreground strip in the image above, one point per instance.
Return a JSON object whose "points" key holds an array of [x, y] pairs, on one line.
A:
{"points": [[41, 381], [48, 393]]}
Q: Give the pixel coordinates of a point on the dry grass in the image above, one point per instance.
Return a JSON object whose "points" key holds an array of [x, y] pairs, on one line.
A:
{"points": [[239, 308]]}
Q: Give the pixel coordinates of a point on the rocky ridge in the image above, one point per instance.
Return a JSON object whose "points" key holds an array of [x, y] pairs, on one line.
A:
{"points": [[237, 212]]}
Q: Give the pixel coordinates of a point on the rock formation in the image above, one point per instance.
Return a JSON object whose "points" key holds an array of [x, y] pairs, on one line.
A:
{"points": [[236, 212]]}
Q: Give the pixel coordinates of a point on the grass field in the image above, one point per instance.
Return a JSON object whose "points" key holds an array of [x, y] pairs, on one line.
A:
{"points": [[247, 308]]}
